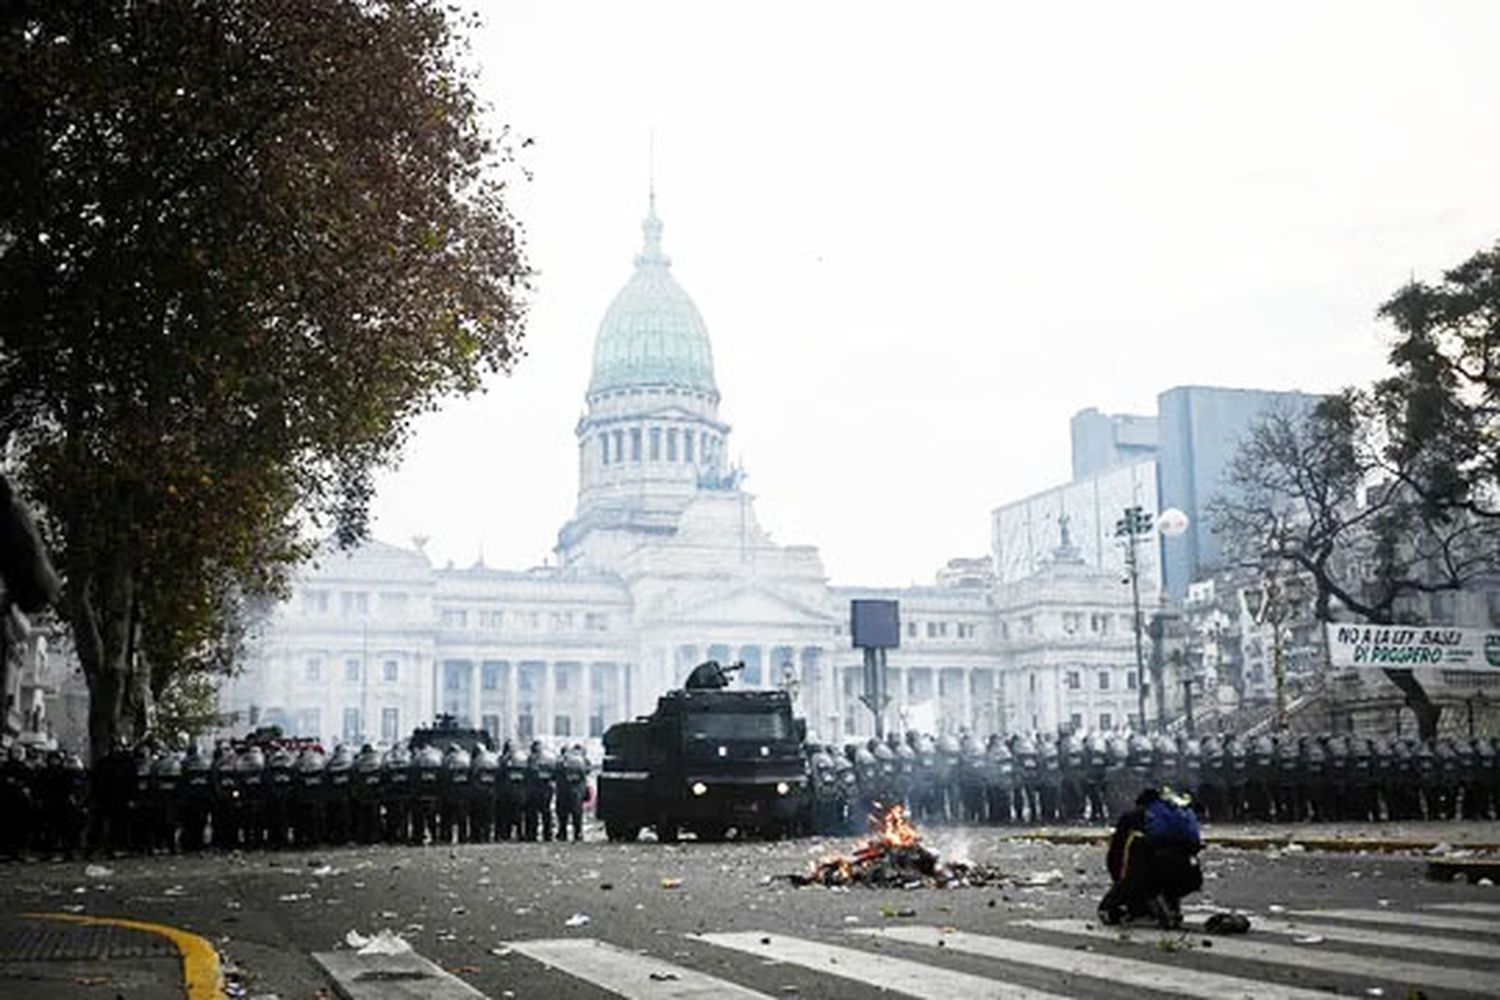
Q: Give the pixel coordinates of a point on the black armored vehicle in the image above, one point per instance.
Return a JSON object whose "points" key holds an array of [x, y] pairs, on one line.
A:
{"points": [[445, 731], [708, 760]]}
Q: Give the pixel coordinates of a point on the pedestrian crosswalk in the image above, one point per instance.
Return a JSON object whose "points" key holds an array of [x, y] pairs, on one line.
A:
{"points": [[1442, 949]]}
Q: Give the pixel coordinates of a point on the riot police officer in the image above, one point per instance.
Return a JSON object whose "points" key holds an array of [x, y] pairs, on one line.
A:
{"points": [[310, 796], [825, 793], [427, 781], [338, 781], [999, 778], [281, 780], [366, 792], [166, 776], [195, 798], [454, 809], [226, 798], [950, 803], [572, 789], [1028, 780], [541, 767], [510, 799], [250, 770], [483, 787], [395, 794], [867, 780]]}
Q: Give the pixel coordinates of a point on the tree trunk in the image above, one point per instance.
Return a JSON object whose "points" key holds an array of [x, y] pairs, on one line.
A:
{"points": [[98, 611], [1422, 706]]}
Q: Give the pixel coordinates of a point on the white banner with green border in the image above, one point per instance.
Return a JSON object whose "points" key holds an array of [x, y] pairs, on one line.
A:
{"points": [[1414, 647]]}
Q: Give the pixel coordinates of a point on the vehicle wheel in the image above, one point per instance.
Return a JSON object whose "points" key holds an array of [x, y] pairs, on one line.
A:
{"points": [[621, 832], [666, 831]]}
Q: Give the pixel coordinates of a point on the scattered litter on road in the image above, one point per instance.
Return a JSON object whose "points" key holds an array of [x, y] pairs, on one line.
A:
{"points": [[1375, 991], [386, 942], [290, 897], [72, 908], [1276, 908], [663, 977], [1309, 939], [671, 883], [98, 871], [502, 952], [175, 890], [1049, 877], [1486, 880], [851, 919], [576, 920]]}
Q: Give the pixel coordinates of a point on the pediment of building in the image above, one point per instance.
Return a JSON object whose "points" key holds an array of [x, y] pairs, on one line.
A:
{"points": [[749, 603]]}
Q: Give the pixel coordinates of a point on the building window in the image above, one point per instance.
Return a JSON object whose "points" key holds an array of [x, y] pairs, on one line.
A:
{"points": [[656, 444], [604, 449], [1028, 625], [671, 444], [351, 671], [562, 725], [595, 621], [687, 446], [354, 604], [932, 630], [635, 444], [1074, 681], [455, 619], [491, 619], [491, 725], [450, 677], [911, 630], [596, 726], [525, 726], [1031, 682], [309, 723], [314, 669], [619, 447], [1106, 721], [1072, 622], [351, 725], [562, 678], [390, 724], [1075, 722], [390, 671], [1104, 680], [1130, 681], [315, 602], [489, 676]]}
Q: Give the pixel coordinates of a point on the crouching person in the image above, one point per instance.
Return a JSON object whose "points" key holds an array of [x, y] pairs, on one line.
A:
{"points": [[1153, 860]]}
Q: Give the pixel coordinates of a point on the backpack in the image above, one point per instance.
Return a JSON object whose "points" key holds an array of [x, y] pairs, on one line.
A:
{"points": [[1167, 823]]}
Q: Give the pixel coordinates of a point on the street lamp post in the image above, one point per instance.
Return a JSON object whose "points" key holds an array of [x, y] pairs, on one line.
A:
{"points": [[1135, 523]]}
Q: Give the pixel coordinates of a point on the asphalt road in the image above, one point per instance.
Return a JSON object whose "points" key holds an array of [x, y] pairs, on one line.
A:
{"points": [[500, 917]]}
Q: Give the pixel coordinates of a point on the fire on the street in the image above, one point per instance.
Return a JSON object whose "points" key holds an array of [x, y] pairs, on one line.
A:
{"points": [[893, 856]]}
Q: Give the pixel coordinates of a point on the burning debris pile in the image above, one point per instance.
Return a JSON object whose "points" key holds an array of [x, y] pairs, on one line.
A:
{"points": [[893, 857]]}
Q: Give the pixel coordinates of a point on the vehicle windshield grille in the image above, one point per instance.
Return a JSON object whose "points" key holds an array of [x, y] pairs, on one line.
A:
{"points": [[738, 726]]}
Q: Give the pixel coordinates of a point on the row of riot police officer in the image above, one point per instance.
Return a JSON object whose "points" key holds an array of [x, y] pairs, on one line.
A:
{"points": [[279, 795], [1031, 779]]}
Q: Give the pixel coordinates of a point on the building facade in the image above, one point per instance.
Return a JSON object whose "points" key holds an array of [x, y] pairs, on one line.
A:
{"points": [[664, 564]]}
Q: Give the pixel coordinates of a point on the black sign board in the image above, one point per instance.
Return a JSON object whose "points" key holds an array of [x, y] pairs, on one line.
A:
{"points": [[875, 624]]}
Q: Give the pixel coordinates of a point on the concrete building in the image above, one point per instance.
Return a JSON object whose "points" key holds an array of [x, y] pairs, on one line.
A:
{"points": [[1102, 441], [1201, 428], [1024, 533]]}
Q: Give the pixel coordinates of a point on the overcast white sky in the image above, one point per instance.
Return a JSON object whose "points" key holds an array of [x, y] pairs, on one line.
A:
{"points": [[924, 235]]}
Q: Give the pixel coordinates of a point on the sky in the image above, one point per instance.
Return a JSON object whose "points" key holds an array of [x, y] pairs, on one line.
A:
{"points": [[923, 236]]}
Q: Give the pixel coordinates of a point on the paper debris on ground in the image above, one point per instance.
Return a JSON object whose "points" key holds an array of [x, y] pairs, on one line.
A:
{"points": [[386, 942], [576, 920]]}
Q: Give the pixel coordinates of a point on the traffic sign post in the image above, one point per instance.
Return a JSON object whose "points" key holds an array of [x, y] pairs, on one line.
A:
{"points": [[875, 626]]}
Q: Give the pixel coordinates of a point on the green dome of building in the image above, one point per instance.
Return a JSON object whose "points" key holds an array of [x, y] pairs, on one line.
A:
{"points": [[652, 334]]}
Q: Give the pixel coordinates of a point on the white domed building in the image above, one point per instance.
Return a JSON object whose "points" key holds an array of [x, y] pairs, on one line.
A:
{"points": [[663, 564]]}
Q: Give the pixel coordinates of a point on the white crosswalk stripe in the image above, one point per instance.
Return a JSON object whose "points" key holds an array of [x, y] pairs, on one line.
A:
{"points": [[913, 979], [1120, 971], [1416, 920], [628, 974], [1398, 970], [1380, 939], [1493, 909], [1402, 948]]}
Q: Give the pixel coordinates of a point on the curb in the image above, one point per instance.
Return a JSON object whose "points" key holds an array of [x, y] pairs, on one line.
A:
{"points": [[1261, 842], [202, 977]]}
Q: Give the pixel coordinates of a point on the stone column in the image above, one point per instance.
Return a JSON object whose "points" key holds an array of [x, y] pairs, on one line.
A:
{"points": [[544, 707], [476, 669], [510, 724], [967, 698]]}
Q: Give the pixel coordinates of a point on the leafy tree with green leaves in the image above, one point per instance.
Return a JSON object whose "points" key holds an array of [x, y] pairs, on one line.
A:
{"points": [[243, 243]]}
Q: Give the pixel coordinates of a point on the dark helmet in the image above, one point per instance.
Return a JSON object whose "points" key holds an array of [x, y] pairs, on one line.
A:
{"points": [[310, 760], [252, 759], [368, 761], [282, 759]]}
